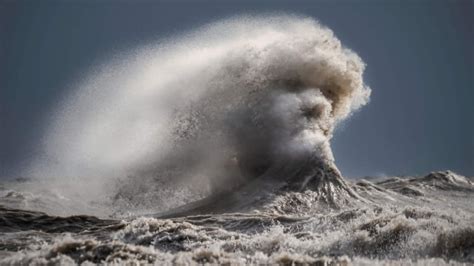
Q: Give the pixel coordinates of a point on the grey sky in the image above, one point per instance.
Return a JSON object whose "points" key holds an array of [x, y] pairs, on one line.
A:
{"points": [[419, 57]]}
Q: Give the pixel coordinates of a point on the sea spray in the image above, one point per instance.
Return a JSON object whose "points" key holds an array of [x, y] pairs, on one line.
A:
{"points": [[227, 103]]}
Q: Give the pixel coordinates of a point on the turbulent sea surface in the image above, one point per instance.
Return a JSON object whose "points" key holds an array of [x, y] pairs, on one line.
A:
{"points": [[423, 220], [214, 147]]}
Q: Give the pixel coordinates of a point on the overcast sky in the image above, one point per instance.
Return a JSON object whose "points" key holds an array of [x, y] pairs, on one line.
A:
{"points": [[419, 57]]}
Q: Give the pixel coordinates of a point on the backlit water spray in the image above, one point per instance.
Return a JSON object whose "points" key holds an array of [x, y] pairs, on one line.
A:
{"points": [[220, 105]]}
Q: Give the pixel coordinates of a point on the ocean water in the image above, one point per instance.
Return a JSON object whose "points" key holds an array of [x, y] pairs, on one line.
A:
{"points": [[213, 147], [424, 220]]}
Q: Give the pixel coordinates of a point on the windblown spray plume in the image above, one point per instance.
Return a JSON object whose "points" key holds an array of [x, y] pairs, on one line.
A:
{"points": [[229, 102]]}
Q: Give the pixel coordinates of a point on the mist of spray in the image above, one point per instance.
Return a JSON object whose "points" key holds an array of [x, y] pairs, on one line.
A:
{"points": [[215, 106]]}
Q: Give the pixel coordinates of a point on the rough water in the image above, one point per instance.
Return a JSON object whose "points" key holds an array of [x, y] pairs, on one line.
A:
{"points": [[424, 221], [214, 147]]}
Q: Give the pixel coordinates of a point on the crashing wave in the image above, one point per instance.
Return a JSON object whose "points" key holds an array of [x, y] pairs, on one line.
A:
{"points": [[234, 101]]}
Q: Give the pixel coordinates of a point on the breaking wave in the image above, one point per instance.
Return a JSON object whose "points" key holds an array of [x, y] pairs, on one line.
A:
{"points": [[228, 103]]}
